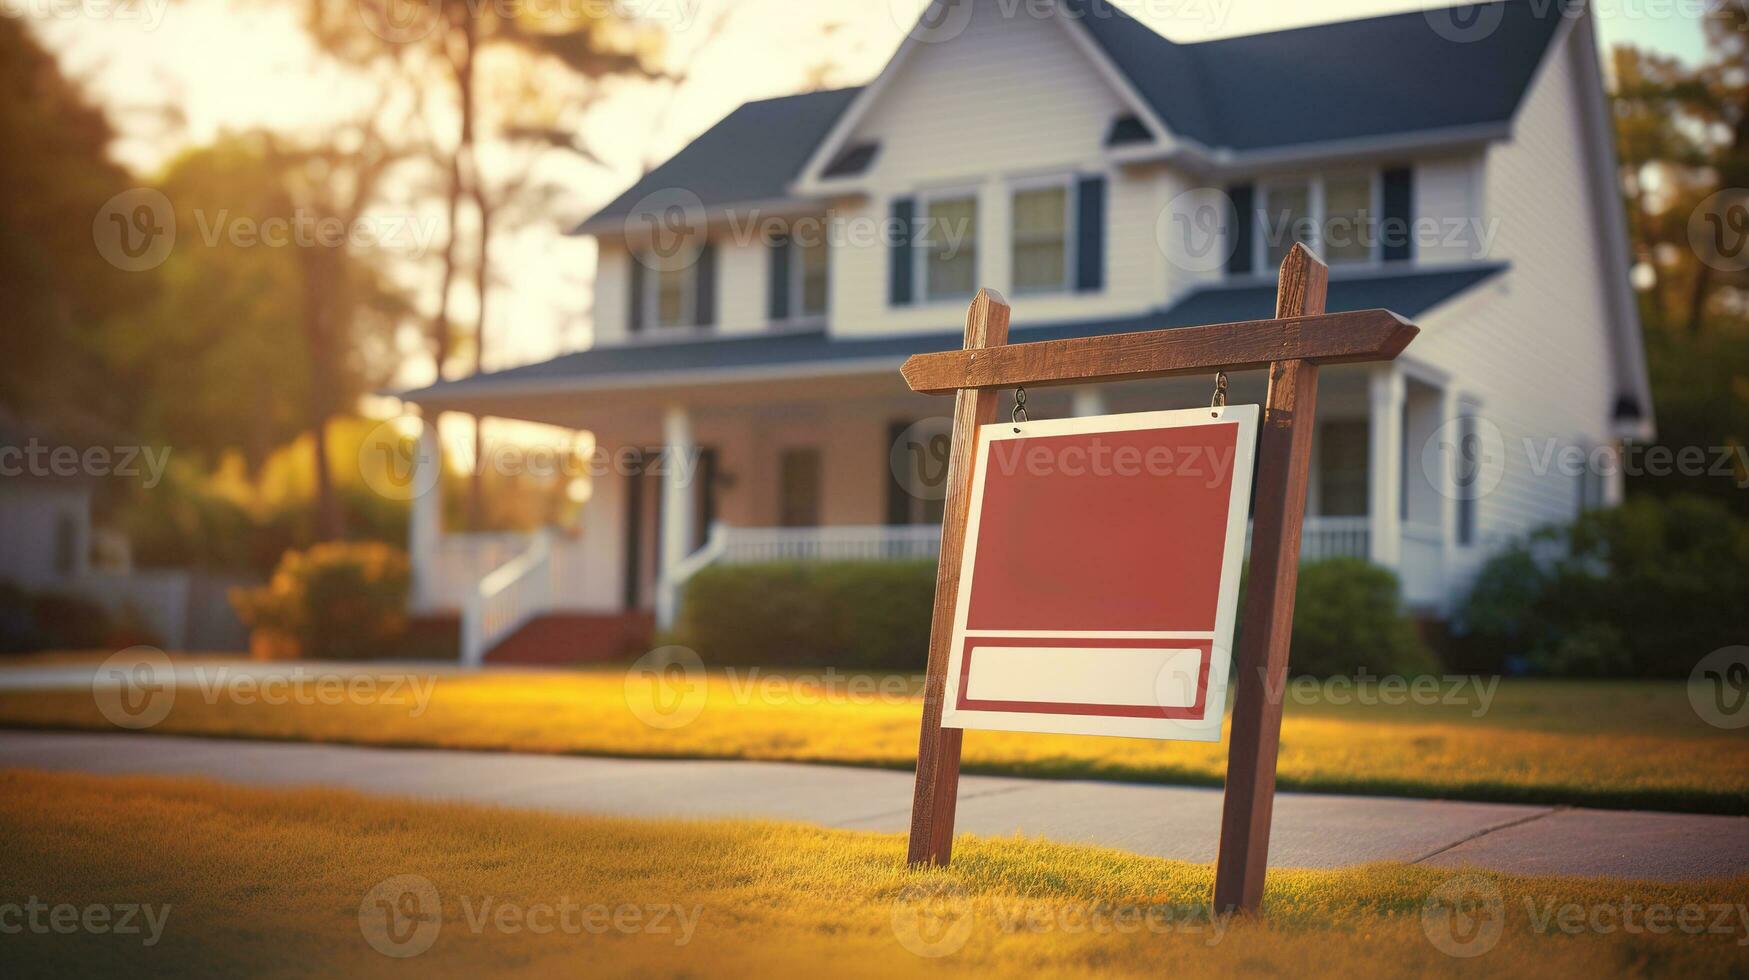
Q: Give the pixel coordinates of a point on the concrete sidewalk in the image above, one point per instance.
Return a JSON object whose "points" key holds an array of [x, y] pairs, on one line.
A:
{"points": [[1310, 830]]}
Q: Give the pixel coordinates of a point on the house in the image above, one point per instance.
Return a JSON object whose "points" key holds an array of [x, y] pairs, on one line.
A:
{"points": [[756, 294]]}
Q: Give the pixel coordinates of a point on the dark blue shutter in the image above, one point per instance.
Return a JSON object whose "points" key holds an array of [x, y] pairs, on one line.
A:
{"points": [[777, 288], [899, 287], [1244, 230], [705, 309], [1399, 214], [898, 498], [1090, 235], [635, 302]]}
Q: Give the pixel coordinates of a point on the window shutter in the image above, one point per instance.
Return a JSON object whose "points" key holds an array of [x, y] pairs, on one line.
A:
{"points": [[635, 301], [898, 499], [1244, 231], [705, 305], [1090, 235], [777, 289], [899, 286], [1399, 194]]}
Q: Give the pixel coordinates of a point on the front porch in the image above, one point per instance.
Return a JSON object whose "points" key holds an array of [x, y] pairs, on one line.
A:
{"points": [[850, 468]]}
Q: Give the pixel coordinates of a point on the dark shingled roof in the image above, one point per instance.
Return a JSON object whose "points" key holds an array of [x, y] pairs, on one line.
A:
{"points": [[1352, 80], [751, 155], [1408, 294], [1360, 78]]}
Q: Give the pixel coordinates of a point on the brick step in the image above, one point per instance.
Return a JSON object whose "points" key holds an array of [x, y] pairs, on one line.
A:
{"points": [[571, 638]]}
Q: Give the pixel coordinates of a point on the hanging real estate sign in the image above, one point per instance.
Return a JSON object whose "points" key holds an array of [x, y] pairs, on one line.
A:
{"points": [[1100, 576]]}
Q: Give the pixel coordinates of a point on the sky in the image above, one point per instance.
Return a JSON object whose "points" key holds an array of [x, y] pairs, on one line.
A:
{"points": [[234, 64]]}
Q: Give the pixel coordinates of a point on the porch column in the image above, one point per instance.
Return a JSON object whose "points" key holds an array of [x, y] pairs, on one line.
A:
{"points": [[677, 501], [1385, 390], [425, 527], [1088, 401]]}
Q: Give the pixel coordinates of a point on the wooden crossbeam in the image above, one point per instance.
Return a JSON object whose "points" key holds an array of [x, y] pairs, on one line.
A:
{"points": [[1332, 338]]}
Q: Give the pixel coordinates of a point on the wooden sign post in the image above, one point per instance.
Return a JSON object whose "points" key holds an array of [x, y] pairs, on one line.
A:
{"points": [[1292, 345]]}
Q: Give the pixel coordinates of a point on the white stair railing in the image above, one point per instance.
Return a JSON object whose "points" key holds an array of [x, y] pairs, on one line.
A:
{"points": [[674, 579], [508, 597]]}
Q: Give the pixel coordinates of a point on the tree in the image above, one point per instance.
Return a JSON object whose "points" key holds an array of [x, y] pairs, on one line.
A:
{"points": [[56, 288]]}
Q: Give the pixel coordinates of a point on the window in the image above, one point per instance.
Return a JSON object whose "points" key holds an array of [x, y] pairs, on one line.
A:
{"points": [[813, 277], [673, 299], [1331, 214], [1287, 219], [1041, 239], [799, 489], [1342, 462], [1347, 228], [950, 249]]}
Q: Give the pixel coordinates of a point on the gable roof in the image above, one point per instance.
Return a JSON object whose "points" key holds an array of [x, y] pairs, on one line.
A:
{"points": [[1363, 78], [715, 358], [751, 155], [1379, 77]]}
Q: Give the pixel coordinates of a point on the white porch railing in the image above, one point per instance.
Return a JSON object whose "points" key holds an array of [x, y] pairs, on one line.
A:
{"points": [[510, 596], [1330, 537], [873, 542]]}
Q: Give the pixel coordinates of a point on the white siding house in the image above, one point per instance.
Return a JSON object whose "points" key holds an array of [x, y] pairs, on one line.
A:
{"points": [[756, 294]]}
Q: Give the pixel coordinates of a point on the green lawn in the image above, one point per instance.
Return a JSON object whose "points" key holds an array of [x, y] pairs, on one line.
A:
{"points": [[1609, 744], [228, 881]]}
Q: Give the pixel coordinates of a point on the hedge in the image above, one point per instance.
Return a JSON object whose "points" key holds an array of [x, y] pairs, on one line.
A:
{"points": [[875, 616]]}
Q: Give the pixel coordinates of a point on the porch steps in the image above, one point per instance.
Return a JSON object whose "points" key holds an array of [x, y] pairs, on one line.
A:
{"points": [[569, 638]]}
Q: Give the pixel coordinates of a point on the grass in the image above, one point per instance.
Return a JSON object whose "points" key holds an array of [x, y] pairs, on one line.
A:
{"points": [[1607, 744], [282, 883]]}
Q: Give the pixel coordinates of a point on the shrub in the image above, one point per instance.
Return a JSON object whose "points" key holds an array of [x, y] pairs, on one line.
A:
{"points": [[856, 615], [342, 601], [1348, 616], [1641, 590]]}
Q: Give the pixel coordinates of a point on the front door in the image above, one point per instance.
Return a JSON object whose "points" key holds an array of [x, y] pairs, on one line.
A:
{"points": [[643, 530]]}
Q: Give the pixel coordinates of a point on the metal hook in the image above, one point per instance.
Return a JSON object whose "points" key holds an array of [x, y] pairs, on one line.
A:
{"points": [[1220, 398], [1018, 415]]}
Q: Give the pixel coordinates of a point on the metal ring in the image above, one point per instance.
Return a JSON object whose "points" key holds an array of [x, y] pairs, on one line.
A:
{"points": [[1018, 415]]}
